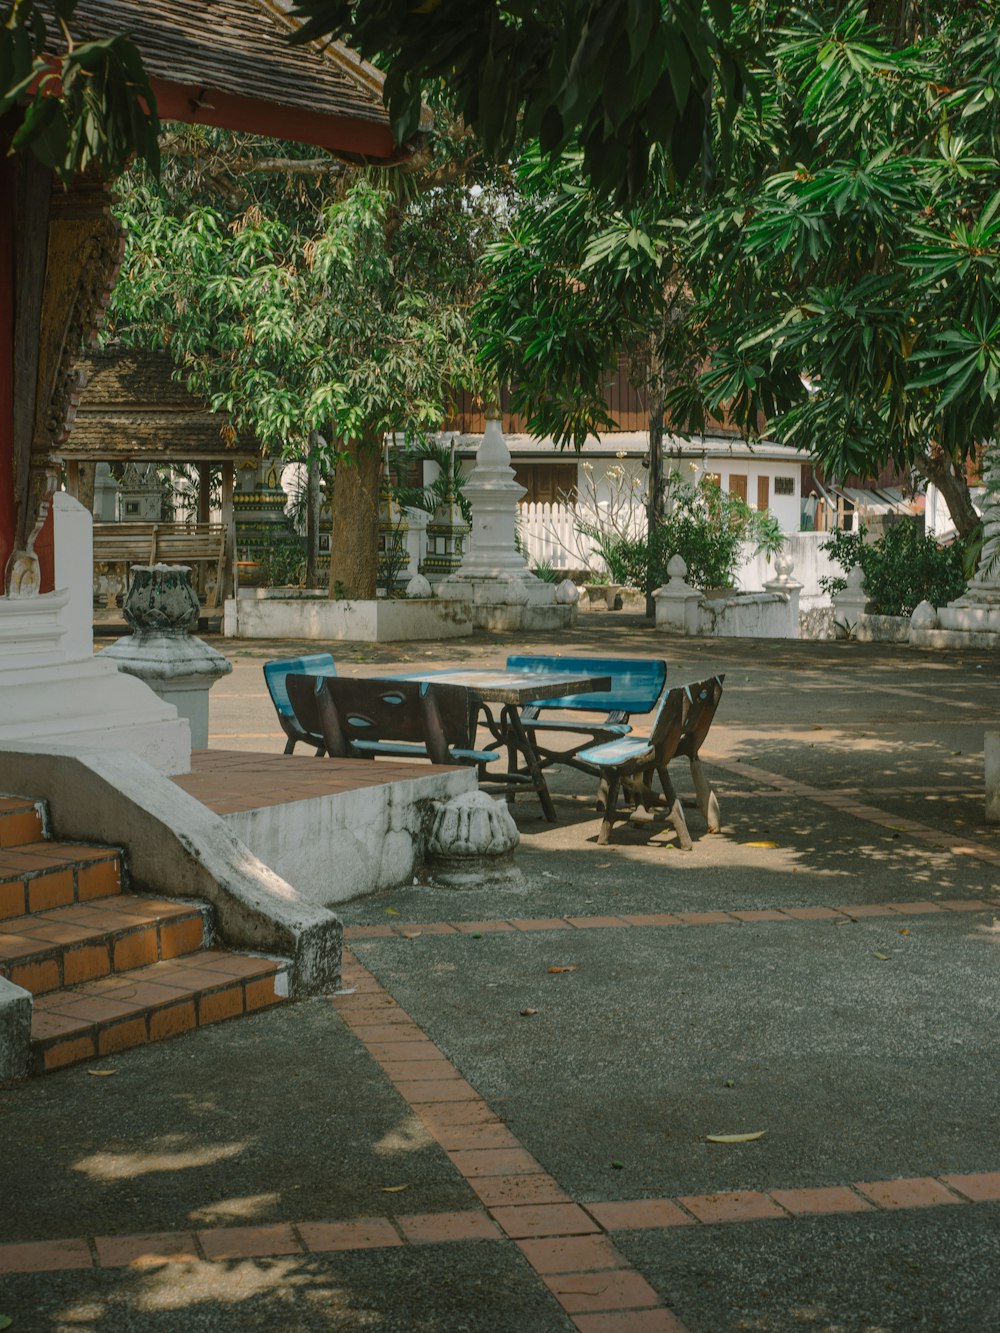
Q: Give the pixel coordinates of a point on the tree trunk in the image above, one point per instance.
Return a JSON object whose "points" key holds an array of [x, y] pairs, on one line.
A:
{"points": [[354, 540], [313, 498], [936, 467], [655, 498]]}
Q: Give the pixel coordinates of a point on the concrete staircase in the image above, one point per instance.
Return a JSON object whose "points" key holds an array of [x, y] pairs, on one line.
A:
{"points": [[109, 969]]}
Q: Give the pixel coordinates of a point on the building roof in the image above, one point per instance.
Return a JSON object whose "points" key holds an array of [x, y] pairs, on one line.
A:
{"points": [[132, 408], [635, 444], [230, 63]]}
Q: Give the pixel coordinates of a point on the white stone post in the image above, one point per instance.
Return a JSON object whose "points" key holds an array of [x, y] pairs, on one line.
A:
{"points": [[850, 603], [789, 588], [73, 538], [494, 495], [678, 605]]}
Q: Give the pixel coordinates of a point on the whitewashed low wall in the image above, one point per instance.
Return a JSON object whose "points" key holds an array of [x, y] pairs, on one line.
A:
{"points": [[809, 565], [753, 615], [385, 620]]}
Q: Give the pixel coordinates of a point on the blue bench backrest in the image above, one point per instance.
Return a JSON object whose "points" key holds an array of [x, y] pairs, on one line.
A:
{"points": [[276, 673], [636, 682]]}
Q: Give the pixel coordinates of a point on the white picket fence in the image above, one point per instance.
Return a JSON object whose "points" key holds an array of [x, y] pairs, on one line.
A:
{"points": [[551, 533]]}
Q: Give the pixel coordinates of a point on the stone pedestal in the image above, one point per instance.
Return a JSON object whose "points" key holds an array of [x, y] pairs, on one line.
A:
{"points": [[678, 604], [850, 604], [494, 578], [788, 587], [472, 842], [162, 607]]}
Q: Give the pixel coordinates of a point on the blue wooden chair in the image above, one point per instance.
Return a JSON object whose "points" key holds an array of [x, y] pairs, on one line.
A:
{"points": [[276, 677], [636, 685]]}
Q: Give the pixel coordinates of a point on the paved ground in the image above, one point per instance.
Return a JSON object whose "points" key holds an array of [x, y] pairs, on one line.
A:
{"points": [[468, 1139]]}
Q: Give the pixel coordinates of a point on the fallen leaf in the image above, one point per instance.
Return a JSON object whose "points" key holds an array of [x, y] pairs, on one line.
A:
{"points": [[619, 1166], [5, 1321], [902, 932], [99, 1073], [882, 957], [956, 751], [528, 1013], [476, 935], [571, 968], [391, 911], [735, 1138], [394, 1189], [760, 844], [411, 934], [817, 726]]}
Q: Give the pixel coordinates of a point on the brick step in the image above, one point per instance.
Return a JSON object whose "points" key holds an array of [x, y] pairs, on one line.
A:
{"points": [[115, 1012], [21, 820], [66, 946], [37, 876]]}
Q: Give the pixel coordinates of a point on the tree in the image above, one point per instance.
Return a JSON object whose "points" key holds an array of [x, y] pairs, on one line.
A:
{"points": [[847, 276], [77, 105], [576, 285], [310, 304], [615, 78]]}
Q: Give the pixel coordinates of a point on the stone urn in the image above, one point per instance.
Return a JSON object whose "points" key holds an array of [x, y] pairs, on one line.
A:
{"points": [[472, 842], [161, 600], [162, 607]]}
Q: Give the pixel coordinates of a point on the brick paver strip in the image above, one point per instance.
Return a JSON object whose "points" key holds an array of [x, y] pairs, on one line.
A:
{"points": [[524, 1221], [631, 1321], [495, 1162], [829, 1199], [983, 1187], [614, 1289], [570, 1254], [491, 1135], [365, 1233], [920, 1192], [498, 1190], [165, 1247], [430, 1228], [249, 1242], [740, 1206], [638, 1214], [540, 923], [45, 1256]]}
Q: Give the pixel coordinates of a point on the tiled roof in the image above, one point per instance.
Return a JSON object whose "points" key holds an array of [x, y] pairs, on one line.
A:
{"points": [[131, 407], [241, 49]]}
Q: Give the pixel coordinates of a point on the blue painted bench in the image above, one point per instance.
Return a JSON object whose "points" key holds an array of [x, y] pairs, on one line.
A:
{"points": [[276, 676], [636, 685], [398, 719], [681, 723]]}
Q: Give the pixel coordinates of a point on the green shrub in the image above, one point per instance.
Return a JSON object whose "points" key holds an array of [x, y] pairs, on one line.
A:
{"points": [[284, 563], [707, 527], [901, 568]]}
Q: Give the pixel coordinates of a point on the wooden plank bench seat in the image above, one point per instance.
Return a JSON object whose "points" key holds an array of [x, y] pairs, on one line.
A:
{"points": [[399, 719], [636, 685], [681, 723], [163, 543]]}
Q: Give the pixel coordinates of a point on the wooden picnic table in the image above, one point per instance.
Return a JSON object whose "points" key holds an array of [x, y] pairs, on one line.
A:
{"points": [[512, 690]]}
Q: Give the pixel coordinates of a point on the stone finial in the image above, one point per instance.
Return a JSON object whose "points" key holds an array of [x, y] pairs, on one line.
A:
{"points": [[567, 593], [472, 842], [924, 617], [856, 579], [677, 568], [783, 566], [418, 586]]}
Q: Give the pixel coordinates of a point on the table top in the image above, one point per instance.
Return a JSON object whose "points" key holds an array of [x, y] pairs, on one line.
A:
{"points": [[513, 687]]}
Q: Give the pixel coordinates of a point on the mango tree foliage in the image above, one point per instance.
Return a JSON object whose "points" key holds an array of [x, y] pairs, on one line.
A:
{"points": [[73, 105], [847, 277], [306, 315], [616, 77]]}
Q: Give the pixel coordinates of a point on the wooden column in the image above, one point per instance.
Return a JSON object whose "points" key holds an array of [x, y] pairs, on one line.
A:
{"points": [[228, 518]]}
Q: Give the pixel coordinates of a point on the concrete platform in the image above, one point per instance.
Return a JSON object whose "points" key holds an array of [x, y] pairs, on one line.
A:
{"points": [[333, 828]]}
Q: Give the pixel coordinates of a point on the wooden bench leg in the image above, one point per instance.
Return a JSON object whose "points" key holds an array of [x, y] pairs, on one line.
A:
{"points": [[675, 811], [707, 801], [610, 802]]}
